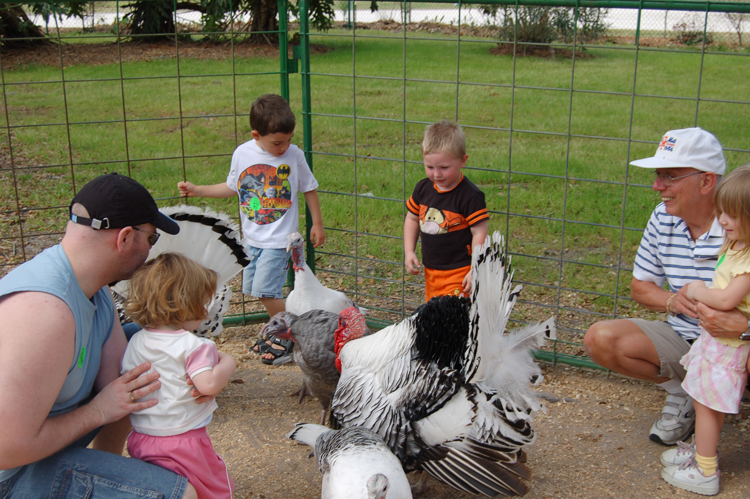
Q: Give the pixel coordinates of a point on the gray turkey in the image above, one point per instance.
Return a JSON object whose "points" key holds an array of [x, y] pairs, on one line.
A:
{"points": [[211, 239], [355, 462], [314, 347], [427, 384], [308, 293]]}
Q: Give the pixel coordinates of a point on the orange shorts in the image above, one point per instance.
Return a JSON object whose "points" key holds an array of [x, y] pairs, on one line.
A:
{"points": [[444, 282]]}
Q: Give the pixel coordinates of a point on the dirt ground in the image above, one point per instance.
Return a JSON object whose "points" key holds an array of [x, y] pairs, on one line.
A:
{"points": [[592, 443]]}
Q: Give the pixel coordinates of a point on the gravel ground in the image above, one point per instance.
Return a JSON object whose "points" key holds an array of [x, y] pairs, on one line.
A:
{"points": [[591, 443]]}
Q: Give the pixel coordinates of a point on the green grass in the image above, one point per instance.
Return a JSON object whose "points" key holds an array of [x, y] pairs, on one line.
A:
{"points": [[566, 203]]}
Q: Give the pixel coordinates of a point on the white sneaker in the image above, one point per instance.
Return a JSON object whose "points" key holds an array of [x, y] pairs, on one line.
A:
{"points": [[677, 421], [678, 455], [688, 476]]}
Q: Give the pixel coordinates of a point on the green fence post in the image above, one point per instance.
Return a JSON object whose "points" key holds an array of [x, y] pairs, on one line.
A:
{"points": [[304, 55], [283, 48]]}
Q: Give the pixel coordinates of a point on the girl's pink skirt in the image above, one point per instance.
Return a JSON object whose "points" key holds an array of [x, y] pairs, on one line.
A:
{"points": [[716, 373], [189, 454]]}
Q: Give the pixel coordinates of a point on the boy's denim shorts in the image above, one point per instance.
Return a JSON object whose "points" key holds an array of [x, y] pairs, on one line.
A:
{"points": [[265, 275], [77, 472]]}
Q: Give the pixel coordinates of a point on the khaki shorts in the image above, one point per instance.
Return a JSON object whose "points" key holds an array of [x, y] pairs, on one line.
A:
{"points": [[669, 345]]}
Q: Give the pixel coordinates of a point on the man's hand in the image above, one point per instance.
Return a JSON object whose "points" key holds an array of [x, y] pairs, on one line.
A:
{"points": [[720, 324], [120, 398]]}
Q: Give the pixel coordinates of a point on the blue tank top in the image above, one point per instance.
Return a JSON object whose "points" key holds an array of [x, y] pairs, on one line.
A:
{"points": [[50, 272]]}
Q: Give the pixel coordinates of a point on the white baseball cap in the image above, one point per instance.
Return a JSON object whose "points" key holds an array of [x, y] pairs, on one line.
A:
{"points": [[687, 148]]}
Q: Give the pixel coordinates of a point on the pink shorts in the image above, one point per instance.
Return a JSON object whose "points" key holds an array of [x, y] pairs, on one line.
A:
{"points": [[189, 454], [716, 373]]}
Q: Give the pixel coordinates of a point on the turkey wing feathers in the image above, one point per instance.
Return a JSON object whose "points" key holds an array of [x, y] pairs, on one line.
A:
{"points": [[386, 392], [474, 475]]}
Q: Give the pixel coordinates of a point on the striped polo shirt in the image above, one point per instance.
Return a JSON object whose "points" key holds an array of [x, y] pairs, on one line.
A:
{"points": [[668, 254]]}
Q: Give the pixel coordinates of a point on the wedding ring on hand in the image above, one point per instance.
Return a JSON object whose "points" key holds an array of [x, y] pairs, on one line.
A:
{"points": [[131, 396]]}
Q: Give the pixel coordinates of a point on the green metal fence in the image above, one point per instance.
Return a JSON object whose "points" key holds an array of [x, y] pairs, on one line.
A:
{"points": [[551, 126]]}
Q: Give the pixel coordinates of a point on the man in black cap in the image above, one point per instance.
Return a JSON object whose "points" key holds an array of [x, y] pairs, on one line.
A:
{"points": [[61, 344]]}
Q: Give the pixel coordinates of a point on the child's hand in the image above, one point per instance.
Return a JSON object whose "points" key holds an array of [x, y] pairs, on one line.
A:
{"points": [[201, 399], [412, 263], [692, 288], [317, 236], [187, 189], [467, 283]]}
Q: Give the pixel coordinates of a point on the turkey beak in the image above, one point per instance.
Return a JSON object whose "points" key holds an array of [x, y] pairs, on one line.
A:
{"points": [[263, 334]]}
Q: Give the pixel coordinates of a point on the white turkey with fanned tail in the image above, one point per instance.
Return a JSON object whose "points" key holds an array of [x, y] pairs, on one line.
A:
{"points": [[428, 386], [211, 239]]}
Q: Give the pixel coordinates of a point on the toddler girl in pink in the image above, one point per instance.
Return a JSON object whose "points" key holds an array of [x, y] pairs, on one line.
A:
{"points": [[168, 295]]}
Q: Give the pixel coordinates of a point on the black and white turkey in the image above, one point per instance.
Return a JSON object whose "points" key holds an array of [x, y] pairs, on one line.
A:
{"points": [[314, 350], [448, 389], [211, 239], [355, 462], [309, 293]]}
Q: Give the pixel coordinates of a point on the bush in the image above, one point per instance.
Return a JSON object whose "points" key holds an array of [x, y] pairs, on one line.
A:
{"points": [[535, 24], [689, 34]]}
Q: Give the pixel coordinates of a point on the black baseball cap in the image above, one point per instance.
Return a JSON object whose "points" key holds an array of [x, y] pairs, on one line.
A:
{"points": [[115, 201]]}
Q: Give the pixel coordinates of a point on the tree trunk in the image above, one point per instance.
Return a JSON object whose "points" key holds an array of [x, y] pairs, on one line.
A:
{"points": [[264, 19], [14, 23]]}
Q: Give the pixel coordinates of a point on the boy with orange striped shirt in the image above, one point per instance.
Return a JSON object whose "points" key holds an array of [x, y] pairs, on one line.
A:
{"points": [[449, 213]]}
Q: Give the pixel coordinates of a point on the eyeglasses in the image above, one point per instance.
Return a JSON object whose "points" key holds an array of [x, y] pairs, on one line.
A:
{"points": [[152, 236], [667, 180]]}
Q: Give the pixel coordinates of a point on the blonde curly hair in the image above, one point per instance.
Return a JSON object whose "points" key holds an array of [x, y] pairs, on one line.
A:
{"points": [[170, 290]]}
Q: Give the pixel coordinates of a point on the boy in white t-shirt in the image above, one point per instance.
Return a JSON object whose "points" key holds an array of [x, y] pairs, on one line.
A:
{"points": [[266, 174]]}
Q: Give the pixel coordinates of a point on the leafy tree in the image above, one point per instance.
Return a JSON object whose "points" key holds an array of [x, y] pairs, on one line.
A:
{"points": [[152, 19], [15, 23], [156, 17]]}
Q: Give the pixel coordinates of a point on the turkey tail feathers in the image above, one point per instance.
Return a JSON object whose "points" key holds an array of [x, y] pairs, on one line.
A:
{"points": [[211, 239], [219, 305], [208, 237], [495, 358], [492, 301], [512, 369]]}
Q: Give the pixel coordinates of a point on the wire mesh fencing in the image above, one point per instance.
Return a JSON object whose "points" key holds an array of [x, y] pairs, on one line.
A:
{"points": [[555, 102]]}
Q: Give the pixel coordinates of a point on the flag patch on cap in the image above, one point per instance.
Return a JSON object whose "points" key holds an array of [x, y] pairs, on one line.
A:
{"points": [[667, 143]]}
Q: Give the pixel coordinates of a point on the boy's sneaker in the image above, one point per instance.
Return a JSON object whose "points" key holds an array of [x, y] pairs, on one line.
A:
{"points": [[678, 455], [677, 421], [688, 476]]}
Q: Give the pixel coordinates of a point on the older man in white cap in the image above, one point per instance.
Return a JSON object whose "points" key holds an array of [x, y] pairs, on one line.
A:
{"points": [[680, 244]]}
